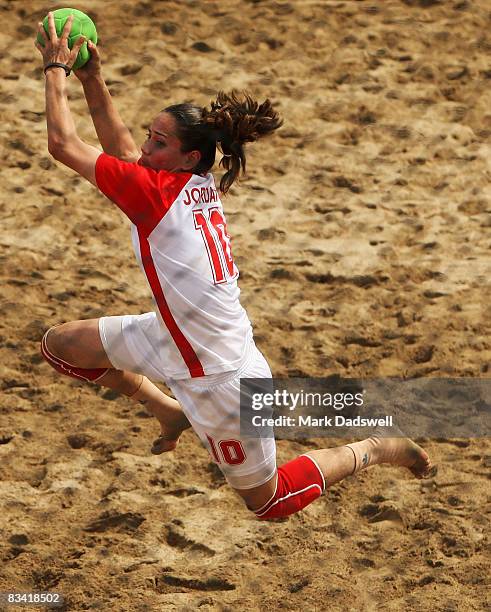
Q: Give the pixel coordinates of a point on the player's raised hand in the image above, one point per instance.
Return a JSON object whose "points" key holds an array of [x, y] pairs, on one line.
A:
{"points": [[92, 68], [56, 49]]}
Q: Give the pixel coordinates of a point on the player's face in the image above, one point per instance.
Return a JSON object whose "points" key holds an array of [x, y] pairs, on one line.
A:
{"points": [[162, 148]]}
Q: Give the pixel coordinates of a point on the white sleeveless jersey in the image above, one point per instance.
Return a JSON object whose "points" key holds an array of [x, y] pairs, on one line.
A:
{"points": [[181, 242]]}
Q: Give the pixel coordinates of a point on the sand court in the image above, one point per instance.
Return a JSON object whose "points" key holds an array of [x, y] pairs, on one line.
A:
{"points": [[362, 234]]}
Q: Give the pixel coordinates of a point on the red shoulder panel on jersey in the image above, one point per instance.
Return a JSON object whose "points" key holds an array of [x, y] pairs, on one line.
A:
{"points": [[143, 194]]}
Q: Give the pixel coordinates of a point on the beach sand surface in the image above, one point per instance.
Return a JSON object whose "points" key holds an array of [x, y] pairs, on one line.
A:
{"points": [[362, 232]]}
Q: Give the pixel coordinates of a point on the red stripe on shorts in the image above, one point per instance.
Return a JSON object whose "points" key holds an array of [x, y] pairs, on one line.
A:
{"points": [[190, 358]]}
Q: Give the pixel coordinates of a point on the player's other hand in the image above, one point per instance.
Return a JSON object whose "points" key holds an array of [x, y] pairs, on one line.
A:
{"points": [[56, 49], [92, 68]]}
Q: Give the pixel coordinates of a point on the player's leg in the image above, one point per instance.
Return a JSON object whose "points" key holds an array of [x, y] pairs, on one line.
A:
{"points": [[299, 482], [337, 463], [76, 349]]}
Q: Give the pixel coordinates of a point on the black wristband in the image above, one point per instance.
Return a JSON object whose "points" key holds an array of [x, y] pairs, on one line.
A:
{"points": [[66, 68]]}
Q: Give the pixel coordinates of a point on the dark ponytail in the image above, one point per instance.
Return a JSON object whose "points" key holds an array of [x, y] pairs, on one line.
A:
{"points": [[232, 120], [236, 120]]}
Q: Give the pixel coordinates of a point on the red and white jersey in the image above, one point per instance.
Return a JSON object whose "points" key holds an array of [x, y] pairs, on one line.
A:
{"points": [[181, 242]]}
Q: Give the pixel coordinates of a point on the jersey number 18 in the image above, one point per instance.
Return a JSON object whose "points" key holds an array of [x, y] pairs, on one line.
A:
{"points": [[217, 242]]}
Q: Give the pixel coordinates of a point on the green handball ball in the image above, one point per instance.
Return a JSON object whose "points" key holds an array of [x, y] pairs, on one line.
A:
{"points": [[82, 26]]}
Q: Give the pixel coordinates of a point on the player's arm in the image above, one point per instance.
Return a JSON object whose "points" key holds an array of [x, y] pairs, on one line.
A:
{"points": [[64, 144], [114, 136], [63, 141]]}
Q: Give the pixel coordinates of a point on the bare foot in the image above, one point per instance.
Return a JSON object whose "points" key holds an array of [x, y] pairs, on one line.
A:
{"points": [[169, 435], [166, 410], [164, 444], [406, 453]]}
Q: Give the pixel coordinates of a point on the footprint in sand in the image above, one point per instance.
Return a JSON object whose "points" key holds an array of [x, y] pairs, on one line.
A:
{"points": [[127, 522], [176, 538], [168, 583]]}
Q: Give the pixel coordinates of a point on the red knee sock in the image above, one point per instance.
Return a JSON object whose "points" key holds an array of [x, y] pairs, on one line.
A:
{"points": [[299, 483], [87, 374]]}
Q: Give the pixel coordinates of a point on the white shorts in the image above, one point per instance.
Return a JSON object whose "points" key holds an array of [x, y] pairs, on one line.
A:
{"points": [[211, 403]]}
